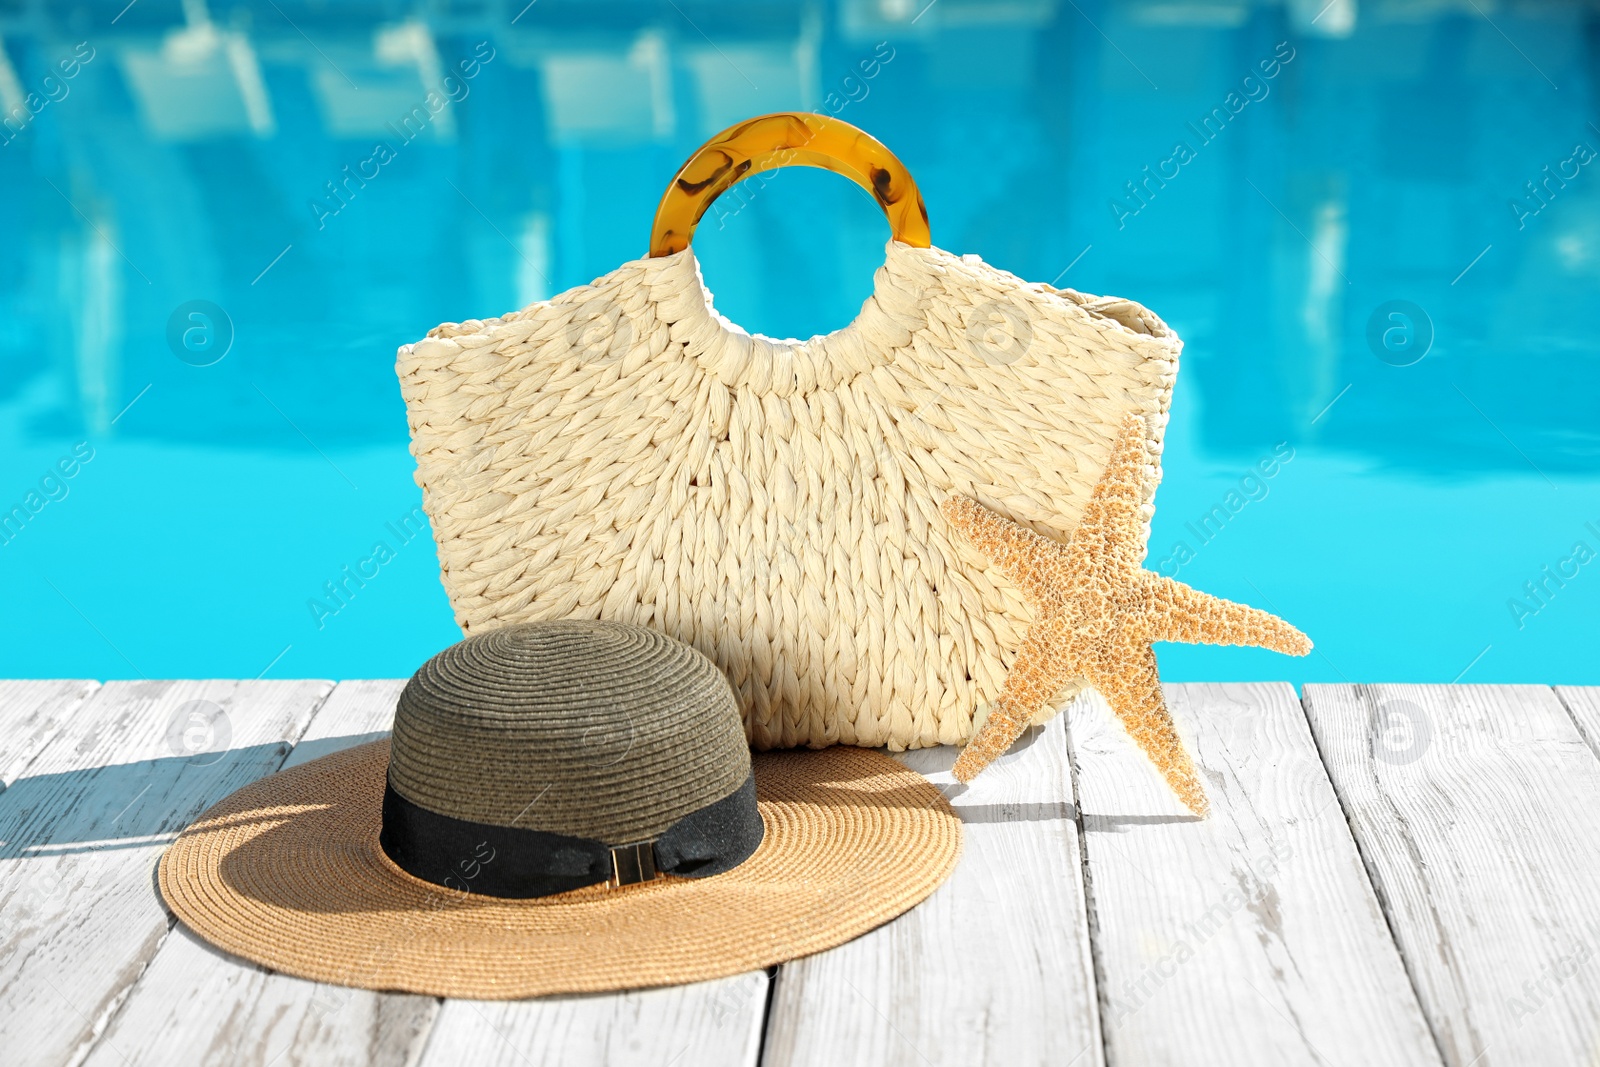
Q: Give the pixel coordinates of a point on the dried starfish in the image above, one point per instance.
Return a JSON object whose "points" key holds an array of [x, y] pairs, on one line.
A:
{"points": [[1096, 612]]}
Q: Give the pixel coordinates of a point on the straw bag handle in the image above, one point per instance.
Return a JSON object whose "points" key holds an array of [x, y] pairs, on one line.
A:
{"points": [[788, 138]]}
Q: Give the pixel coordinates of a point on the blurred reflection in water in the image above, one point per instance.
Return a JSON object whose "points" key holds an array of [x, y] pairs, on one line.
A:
{"points": [[1375, 226]]}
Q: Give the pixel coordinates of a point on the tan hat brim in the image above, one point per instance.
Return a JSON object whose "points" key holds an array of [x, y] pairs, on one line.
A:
{"points": [[287, 872]]}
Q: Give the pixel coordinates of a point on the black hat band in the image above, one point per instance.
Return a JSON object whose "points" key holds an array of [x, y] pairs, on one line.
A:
{"points": [[514, 862]]}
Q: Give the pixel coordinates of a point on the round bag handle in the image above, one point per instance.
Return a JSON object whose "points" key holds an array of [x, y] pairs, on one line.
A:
{"points": [[785, 139]]}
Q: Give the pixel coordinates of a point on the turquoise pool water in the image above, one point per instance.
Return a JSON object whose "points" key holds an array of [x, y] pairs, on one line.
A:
{"points": [[1377, 229]]}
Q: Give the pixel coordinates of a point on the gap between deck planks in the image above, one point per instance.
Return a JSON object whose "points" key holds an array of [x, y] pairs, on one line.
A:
{"points": [[197, 1004], [83, 824], [1477, 809], [994, 968], [1249, 937]]}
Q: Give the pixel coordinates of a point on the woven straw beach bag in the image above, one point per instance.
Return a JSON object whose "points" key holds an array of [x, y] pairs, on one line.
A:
{"points": [[622, 451]]}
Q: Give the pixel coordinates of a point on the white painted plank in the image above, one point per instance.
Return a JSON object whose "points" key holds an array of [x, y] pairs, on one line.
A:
{"points": [[994, 968], [82, 829], [355, 712], [714, 1024], [1583, 704], [198, 1004], [1249, 937], [1478, 813], [30, 714]]}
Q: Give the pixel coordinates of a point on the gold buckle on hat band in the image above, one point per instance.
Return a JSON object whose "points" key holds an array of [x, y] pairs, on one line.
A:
{"points": [[632, 864]]}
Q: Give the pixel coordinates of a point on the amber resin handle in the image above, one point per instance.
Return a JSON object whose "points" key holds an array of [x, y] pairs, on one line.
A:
{"points": [[787, 139]]}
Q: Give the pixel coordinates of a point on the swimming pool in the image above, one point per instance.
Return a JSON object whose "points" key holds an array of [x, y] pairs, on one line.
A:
{"points": [[1377, 230]]}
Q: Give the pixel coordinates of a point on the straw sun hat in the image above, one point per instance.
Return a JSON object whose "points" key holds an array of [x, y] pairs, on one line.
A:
{"points": [[562, 807]]}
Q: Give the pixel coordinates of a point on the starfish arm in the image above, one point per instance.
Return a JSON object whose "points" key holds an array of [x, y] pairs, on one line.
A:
{"points": [[1029, 684], [1178, 612], [1015, 549], [1134, 693], [1121, 484], [1110, 526]]}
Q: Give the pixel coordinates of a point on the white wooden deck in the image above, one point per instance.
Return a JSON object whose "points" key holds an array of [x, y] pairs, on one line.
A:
{"points": [[1391, 875]]}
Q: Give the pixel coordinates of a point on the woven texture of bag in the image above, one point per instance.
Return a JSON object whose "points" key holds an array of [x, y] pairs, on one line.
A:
{"points": [[622, 451]]}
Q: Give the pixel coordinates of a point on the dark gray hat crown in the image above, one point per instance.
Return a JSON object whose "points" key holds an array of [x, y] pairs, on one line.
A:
{"points": [[593, 729]]}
